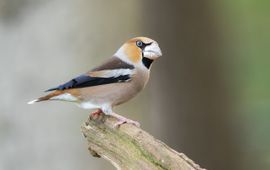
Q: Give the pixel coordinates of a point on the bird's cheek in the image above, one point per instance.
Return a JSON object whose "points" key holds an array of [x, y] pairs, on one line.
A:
{"points": [[133, 53]]}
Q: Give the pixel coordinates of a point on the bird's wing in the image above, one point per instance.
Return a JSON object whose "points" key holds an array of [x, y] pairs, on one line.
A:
{"points": [[113, 71]]}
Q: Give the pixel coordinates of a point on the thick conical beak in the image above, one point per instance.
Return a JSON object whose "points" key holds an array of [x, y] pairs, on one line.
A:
{"points": [[152, 51]]}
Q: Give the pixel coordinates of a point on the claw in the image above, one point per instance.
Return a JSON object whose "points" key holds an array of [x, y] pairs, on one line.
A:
{"points": [[119, 123], [123, 120]]}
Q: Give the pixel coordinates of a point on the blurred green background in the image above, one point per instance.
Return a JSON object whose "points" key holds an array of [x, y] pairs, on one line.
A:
{"points": [[208, 96]]}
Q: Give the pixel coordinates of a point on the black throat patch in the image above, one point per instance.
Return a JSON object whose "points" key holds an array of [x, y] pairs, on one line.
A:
{"points": [[147, 62]]}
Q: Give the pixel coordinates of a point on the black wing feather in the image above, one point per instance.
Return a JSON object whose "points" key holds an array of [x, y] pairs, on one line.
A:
{"points": [[87, 81]]}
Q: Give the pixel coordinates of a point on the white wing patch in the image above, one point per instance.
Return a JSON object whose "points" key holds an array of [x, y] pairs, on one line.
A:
{"points": [[112, 73], [65, 97], [118, 72]]}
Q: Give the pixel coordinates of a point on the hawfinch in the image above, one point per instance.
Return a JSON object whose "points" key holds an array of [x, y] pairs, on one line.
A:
{"points": [[116, 81]]}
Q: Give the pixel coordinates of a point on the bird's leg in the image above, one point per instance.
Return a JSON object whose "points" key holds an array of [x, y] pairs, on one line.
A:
{"points": [[123, 120], [96, 113]]}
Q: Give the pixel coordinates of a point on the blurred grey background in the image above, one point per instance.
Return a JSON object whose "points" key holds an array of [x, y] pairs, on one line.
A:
{"points": [[208, 95]]}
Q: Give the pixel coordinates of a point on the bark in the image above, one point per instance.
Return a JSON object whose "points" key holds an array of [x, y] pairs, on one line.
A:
{"points": [[130, 147]]}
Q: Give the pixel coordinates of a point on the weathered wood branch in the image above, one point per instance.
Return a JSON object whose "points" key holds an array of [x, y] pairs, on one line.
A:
{"points": [[129, 147]]}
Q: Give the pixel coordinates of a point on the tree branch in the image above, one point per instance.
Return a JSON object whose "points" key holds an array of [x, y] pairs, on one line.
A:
{"points": [[129, 147]]}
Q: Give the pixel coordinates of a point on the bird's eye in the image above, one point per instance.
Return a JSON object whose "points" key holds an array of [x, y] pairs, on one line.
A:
{"points": [[139, 44]]}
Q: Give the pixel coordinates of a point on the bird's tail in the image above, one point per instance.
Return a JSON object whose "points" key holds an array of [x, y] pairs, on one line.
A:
{"points": [[47, 97]]}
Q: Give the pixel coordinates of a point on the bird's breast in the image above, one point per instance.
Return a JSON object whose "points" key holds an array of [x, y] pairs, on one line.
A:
{"points": [[115, 93], [140, 79], [128, 90]]}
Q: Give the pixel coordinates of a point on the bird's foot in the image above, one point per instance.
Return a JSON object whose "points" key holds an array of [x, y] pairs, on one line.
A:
{"points": [[129, 121], [95, 114], [123, 120]]}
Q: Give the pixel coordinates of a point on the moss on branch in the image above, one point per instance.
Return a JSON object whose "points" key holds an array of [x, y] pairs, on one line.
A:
{"points": [[129, 147]]}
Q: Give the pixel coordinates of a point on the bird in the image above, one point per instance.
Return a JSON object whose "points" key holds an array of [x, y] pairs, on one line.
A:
{"points": [[114, 82]]}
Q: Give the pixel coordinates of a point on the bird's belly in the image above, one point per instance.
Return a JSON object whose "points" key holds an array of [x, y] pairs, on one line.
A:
{"points": [[88, 105], [110, 94]]}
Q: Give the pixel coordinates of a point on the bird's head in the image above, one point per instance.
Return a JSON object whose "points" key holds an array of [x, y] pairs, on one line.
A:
{"points": [[139, 50]]}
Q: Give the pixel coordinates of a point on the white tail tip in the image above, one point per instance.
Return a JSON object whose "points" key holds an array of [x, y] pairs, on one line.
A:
{"points": [[33, 101]]}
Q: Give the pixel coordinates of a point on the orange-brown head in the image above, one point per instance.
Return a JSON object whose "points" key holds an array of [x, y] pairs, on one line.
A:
{"points": [[139, 50]]}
